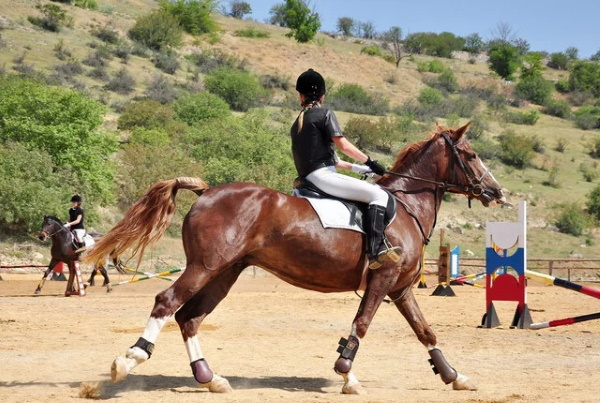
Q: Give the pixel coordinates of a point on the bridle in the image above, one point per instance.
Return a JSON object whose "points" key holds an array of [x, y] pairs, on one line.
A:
{"points": [[472, 190], [61, 228]]}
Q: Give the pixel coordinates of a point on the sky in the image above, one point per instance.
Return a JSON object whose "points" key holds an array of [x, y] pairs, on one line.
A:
{"points": [[547, 25]]}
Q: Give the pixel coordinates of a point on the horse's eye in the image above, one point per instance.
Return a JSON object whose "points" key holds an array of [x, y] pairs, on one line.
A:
{"points": [[471, 156]]}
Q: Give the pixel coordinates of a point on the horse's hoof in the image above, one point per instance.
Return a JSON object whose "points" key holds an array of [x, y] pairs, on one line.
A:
{"points": [[37, 292], [118, 369], [108, 288], [218, 385], [463, 383], [353, 389]]}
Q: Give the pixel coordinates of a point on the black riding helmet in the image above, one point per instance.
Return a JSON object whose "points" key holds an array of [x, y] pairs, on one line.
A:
{"points": [[311, 84], [76, 199]]}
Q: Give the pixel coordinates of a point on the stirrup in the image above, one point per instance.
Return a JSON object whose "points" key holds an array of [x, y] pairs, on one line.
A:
{"points": [[390, 253]]}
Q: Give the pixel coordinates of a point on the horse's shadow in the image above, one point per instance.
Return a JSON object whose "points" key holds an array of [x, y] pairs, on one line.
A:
{"points": [[173, 383]]}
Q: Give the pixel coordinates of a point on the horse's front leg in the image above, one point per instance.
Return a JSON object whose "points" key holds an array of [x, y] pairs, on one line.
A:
{"points": [[407, 305], [377, 287], [53, 262], [189, 317]]}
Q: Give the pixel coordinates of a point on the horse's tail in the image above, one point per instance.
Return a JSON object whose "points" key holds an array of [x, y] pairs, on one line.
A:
{"points": [[145, 222]]}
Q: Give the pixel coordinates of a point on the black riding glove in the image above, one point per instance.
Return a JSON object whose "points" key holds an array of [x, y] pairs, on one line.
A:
{"points": [[375, 166]]}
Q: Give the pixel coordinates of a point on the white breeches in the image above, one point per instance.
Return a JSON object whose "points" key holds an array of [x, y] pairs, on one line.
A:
{"points": [[346, 187], [79, 234]]}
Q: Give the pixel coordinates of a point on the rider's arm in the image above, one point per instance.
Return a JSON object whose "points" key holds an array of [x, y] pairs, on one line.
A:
{"points": [[349, 149], [76, 221]]}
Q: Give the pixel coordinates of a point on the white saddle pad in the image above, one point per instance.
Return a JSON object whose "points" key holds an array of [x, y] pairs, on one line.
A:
{"points": [[88, 240], [333, 214]]}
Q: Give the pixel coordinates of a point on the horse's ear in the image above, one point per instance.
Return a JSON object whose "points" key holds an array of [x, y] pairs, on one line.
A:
{"points": [[458, 133]]}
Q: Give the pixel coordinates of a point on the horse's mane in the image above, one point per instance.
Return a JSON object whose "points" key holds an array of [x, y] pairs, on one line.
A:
{"points": [[54, 218], [412, 151]]}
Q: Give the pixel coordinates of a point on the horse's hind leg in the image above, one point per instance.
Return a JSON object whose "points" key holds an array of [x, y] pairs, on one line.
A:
{"points": [[189, 317], [166, 304], [91, 281], [407, 305]]}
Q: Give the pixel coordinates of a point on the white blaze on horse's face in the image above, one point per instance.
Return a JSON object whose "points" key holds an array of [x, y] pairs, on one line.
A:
{"points": [[488, 174]]}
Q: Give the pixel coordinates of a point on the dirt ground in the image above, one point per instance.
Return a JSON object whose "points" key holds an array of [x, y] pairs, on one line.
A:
{"points": [[277, 343]]}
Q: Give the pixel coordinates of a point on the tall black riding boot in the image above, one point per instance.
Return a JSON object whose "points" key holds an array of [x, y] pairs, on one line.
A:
{"points": [[379, 249], [80, 247]]}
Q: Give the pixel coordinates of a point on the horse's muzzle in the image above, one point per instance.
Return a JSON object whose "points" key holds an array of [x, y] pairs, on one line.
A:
{"points": [[43, 236]]}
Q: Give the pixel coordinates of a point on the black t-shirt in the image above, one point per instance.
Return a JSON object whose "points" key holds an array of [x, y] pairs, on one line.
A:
{"points": [[313, 147], [74, 212]]}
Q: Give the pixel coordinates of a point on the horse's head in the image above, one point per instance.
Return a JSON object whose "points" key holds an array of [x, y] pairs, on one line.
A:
{"points": [[467, 174], [50, 226]]}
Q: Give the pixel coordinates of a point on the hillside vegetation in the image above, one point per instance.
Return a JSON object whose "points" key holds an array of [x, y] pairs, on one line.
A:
{"points": [[169, 112]]}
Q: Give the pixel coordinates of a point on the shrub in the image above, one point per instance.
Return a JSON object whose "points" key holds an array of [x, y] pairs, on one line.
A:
{"points": [[572, 220], [535, 89], [53, 17], [149, 137], [353, 98], [157, 30], [372, 50], [161, 90], [430, 96], [558, 61], [194, 16], [167, 62], [199, 107], [593, 202], [562, 86], [239, 89], [122, 82], [251, 32], [588, 117], [210, 60], [523, 118], [146, 113], [517, 150], [560, 109], [588, 171], [275, 82], [595, 148], [106, 33], [246, 148]]}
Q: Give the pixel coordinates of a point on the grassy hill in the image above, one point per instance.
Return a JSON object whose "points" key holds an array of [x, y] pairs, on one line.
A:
{"points": [[340, 61]]}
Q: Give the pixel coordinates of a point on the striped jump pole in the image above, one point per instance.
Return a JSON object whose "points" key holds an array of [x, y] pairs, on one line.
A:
{"points": [[563, 322], [592, 292], [135, 280], [145, 273]]}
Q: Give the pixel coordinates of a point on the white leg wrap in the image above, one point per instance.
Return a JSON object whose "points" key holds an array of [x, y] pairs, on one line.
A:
{"points": [[153, 328], [194, 351]]}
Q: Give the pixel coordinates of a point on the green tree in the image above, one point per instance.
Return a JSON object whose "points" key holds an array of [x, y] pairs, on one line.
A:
{"points": [[277, 15], [593, 202], [199, 107], [393, 37], [32, 186], [558, 61], [346, 26], [239, 9], [303, 22], [474, 44], [517, 150], [504, 59], [240, 89], [157, 30], [193, 15], [65, 124], [584, 76]]}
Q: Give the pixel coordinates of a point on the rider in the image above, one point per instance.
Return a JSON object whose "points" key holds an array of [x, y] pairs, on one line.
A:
{"points": [[76, 221], [315, 134]]}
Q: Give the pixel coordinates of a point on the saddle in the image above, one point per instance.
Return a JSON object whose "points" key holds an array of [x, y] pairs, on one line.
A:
{"points": [[305, 188]]}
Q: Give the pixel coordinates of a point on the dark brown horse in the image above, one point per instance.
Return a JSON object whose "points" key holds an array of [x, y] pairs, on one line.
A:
{"points": [[63, 249], [233, 226]]}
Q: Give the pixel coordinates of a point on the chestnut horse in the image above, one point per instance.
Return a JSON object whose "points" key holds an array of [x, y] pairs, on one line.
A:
{"points": [[233, 226], [63, 249]]}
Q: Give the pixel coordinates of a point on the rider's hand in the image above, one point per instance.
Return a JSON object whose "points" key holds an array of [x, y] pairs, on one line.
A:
{"points": [[67, 225], [362, 170], [375, 166]]}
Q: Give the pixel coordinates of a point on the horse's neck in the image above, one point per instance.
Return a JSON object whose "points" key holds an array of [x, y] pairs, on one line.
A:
{"points": [[416, 190]]}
